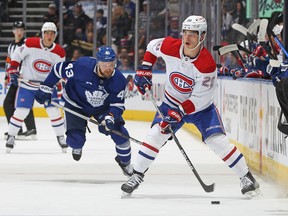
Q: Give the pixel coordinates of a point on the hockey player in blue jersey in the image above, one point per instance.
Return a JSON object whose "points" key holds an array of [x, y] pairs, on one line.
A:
{"points": [[94, 87]]}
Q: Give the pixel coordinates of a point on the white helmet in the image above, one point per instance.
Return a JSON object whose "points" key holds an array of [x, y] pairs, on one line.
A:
{"points": [[49, 26], [195, 23]]}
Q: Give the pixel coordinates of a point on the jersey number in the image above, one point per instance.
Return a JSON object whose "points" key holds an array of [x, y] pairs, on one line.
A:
{"points": [[69, 70], [208, 82]]}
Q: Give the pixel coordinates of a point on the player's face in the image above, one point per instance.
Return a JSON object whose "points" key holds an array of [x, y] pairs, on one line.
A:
{"points": [[48, 38], [190, 38], [18, 33], [106, 69]]}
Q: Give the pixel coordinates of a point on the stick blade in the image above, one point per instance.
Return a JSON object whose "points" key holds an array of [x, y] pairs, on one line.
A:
{"points": [[228, 48], [262, 30], [240, 28]]}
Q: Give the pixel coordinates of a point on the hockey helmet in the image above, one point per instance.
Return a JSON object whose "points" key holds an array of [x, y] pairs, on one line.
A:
{"points": [[49, 26], [106, 54], [18, 24], [195, 23]]}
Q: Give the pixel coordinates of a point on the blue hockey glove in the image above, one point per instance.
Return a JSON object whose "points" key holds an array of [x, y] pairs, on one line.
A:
{"points": [[143, 78], [44, 94], [173, 117]]}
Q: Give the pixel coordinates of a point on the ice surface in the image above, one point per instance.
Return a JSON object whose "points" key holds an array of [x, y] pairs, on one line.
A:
{"points": [[37, 179]]}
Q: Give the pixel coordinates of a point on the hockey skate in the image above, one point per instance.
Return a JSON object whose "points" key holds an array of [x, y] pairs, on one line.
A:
{"points": [[76, 154], [62, 143], [126, 169], [31, 134], [249, 186], [10, 143], [132, 184]]}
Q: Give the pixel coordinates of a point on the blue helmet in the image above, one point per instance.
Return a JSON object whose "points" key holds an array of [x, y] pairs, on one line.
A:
{"points": [[105, 54]]}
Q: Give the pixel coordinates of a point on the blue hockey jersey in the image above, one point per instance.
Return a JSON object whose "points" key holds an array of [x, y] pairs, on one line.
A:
{"points": [[85, 90]]}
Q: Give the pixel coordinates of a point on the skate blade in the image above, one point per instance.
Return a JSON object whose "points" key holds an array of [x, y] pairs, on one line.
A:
{"points": [[8, 150], [252, 194], [64, 150], [126, 195], [31, 137]]}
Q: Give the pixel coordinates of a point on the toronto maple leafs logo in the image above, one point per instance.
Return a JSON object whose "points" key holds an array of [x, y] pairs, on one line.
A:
{"points": [[96, 98]]}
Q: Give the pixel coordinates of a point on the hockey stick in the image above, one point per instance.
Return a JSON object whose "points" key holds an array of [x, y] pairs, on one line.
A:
{"points": [[94, 122], [207, 188], [231, 48], [262, 40], [277, 41]]}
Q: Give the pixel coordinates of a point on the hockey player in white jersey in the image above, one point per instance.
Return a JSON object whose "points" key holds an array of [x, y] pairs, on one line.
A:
{"points": [[37, 56], [188, 97]]}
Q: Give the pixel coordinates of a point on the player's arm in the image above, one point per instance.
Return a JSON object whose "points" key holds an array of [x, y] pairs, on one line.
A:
{"points": [[116, 109], [59, 70], [143, 77]]}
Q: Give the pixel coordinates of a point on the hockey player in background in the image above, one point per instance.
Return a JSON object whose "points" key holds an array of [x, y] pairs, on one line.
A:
{"points": [[191, 79], [93, 88], [37, 56], [9, 101]]}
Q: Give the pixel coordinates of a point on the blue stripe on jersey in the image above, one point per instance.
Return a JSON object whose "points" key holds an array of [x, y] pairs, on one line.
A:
{"points": [[237, 159], [170, 101], [146, 156]]}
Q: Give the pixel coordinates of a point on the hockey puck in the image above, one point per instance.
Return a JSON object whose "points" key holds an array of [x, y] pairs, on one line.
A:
{"points": [[215, 202]]}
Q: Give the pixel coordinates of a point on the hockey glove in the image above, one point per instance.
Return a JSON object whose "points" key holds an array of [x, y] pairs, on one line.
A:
{"points": [[14, 78], [143, 78], [43, 94], [107, 124], [13, 75], [173, 117]]}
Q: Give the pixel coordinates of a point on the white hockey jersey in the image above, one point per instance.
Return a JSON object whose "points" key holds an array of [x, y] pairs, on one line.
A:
{"points": [[37, 60], [186, 79]]}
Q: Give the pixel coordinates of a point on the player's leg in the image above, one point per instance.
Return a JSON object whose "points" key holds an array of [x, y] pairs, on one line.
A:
{"points": [[211, 127], [122, 147], [75, 133], [30, 125], [57, 123], [149, 150], [9, 105], [24, 103]]}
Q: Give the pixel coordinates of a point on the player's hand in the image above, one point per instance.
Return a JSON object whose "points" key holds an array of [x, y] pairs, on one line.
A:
{"points": [[43, 94], [13, 75], [108, 122], [14, 78], [173, 117], [143, 78]]}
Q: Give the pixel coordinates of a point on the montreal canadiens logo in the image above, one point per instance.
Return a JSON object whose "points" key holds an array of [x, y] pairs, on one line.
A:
{"points": [[42, 66], [181, 83]]}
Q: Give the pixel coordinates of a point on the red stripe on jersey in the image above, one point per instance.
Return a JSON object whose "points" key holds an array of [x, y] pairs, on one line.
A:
{"points": [[151, 147], [54, 120], [229, 155], [171, 47], [17, 119], [172, 98], [205, 62], [149, 57]]}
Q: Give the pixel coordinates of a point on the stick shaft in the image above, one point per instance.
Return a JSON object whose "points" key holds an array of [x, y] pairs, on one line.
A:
{"points": [[207, 188], [93, 121]]}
